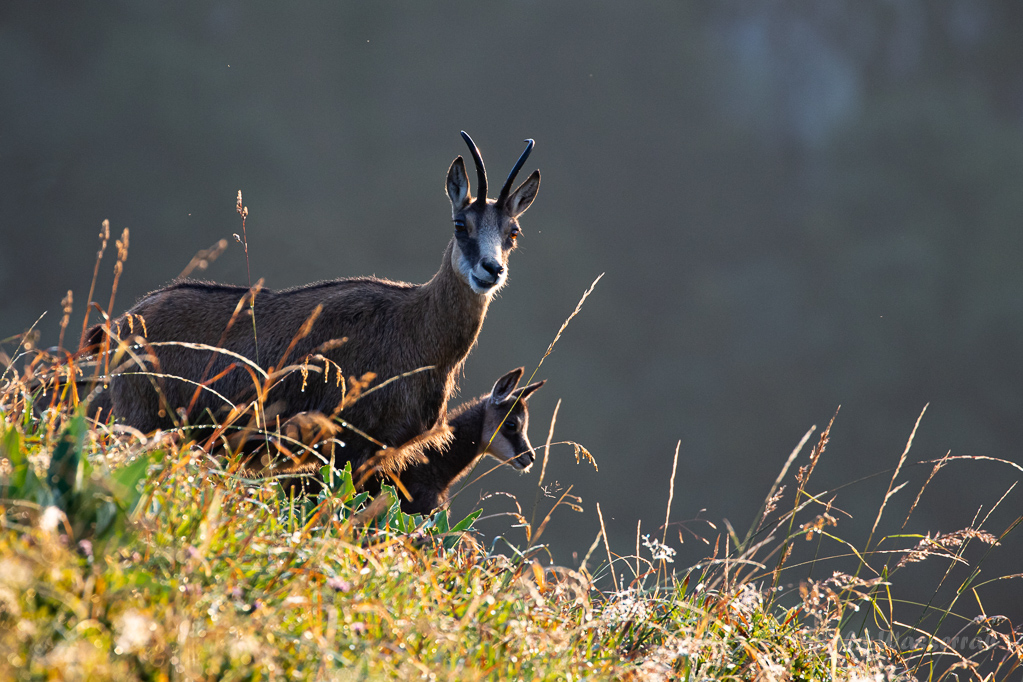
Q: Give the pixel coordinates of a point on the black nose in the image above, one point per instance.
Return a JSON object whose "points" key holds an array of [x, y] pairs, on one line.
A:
{"points": [[525, 460], [493, 267]]}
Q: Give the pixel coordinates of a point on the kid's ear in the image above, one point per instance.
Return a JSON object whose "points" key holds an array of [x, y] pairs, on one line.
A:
{"points": [[525, 391], [505, 385]]}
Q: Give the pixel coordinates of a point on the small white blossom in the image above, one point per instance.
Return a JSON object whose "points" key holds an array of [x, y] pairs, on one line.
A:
{"points": [[135, 631], [51, 519], [625, 608], [15, 573], [658, 551]]}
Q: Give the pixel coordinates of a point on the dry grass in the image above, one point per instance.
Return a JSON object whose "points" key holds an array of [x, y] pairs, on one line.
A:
{"points": [[126, 556]]}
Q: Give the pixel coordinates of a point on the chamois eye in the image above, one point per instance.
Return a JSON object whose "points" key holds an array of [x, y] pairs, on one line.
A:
{"points": [[514, 234], [460, 225]]}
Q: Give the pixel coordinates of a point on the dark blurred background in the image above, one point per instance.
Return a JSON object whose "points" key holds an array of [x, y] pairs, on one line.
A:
{"points": [[796, 205]]}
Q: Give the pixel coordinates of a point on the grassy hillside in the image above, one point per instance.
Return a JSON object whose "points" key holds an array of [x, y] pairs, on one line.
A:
{"points": [[125, 556]]}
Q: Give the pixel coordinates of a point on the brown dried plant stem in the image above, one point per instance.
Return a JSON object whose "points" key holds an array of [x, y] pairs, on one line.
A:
{"points": [[763, 511], [243, 211], [671, 493], [550, 349], [960, 540], [66, 305], [607, 546], [639, 526], [667, 512], [203, 258], [218, 349], [802, 478], [543, 467], [18, 349], [122, 255], [104, 236], [892, 489]]}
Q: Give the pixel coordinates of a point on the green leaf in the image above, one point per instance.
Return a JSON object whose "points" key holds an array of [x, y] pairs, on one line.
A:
{"points": [[125, 481], [107, 514], [339, 480], [64, 476], [466, 523], [14, 485], [10, 447], [32, 489], [441, 522]]}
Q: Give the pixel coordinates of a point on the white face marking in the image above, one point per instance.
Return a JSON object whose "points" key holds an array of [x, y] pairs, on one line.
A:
{"points": [[465, 269], [517, 454], [490, 247], [502, 450]]}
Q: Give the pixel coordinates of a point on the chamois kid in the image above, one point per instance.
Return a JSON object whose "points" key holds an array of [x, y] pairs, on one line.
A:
{"points": [[388, 328], [494, 424]]}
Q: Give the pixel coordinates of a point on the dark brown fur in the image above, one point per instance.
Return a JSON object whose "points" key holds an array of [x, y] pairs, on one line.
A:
{"points": [[496, 424], [390, 328]]}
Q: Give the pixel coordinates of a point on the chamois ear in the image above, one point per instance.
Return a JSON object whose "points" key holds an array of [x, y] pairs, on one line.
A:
{"points": [[505, 385], [519, 200], [458, 185], [525, 391]]}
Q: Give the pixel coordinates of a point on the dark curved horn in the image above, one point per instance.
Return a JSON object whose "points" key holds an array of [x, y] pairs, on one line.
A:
{"points": [[481, 170], [514, 171]]}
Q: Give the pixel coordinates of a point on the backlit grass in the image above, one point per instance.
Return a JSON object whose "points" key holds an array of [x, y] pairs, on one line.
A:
{"points": [[126, 556]]}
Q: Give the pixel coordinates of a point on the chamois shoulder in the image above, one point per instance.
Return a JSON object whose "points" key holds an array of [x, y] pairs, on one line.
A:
{"points": [[188, 287], [200, 285]]}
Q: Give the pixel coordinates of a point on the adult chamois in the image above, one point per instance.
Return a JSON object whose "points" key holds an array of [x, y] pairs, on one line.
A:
{"points": [[495, 424], [391, 329]]}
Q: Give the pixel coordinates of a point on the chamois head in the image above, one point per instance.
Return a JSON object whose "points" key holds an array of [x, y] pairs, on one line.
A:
{"points": [[486, 229], [506, 421]]}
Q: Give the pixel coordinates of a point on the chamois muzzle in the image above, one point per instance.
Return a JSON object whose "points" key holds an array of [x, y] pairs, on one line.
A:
{"points": [[492, 271], [524, 461]]}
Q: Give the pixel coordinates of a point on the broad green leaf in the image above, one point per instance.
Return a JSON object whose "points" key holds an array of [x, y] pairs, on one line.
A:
{"points": [[64, 476], [466, 523], [126, 480], [440, 521]]}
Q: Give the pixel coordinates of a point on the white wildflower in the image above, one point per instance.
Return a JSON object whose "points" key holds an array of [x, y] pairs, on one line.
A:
{"points": [[625, 608], [243, 649], [51, 519], [658, 551], [749, 600], [15, 573], [134, 632]]}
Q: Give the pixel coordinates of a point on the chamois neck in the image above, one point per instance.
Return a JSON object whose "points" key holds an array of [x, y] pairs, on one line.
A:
{"points": [[453, 313], [466, 445]]}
